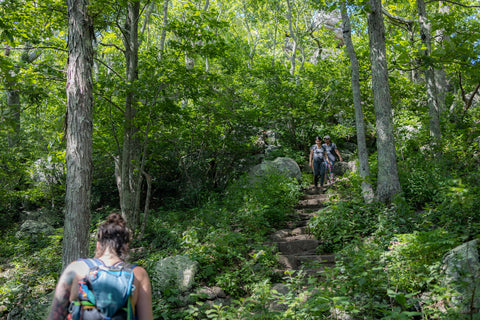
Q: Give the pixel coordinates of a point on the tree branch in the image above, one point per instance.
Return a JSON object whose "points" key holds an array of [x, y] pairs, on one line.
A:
{"points": [[43, 47], [112, 45], [453, 2], [108, 67]]}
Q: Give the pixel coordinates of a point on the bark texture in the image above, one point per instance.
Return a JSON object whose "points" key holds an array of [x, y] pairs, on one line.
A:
{"points": [[78, 132], [364, 170], [425, 33], [130, 175], [387, 181]]}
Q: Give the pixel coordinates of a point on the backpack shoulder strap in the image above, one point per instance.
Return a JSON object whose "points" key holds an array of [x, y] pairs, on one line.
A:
{"points": [[92, 262]]}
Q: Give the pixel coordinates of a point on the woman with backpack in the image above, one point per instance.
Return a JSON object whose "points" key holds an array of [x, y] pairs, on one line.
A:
{"points": [[317, 161], [105, 287]]}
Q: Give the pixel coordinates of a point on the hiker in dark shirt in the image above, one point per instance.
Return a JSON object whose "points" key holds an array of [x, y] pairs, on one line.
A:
{"points": [[113, 238], [330, 150]]}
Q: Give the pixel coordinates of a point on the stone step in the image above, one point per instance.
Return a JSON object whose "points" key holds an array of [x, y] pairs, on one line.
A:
{"points": [[318, 259], [313, 262], [310, 204], [297, 246], [297, 224], [291, 235], [322, 197]]}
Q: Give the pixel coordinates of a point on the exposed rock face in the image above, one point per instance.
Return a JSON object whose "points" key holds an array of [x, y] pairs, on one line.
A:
{"points": [[177, 272], [31, 229], [284, 165], [462, 274]]}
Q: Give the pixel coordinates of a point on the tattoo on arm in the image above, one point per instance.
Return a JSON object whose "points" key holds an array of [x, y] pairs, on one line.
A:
{"points": [[61, 300]]}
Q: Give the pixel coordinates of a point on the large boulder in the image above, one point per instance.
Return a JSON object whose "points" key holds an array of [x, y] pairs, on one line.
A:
{"points": [[462, 275], [341, 168], [32, 229], [284, 165], [175, 272]]}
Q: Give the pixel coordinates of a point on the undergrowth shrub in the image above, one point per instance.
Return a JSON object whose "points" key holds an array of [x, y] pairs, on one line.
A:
{"points": [[422, 180], [29, 276], [412, 260], [341, 223], [460, 211], [358, 282], [262, 202]]}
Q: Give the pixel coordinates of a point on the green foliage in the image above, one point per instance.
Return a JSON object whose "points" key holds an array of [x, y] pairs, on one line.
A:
{"points": [[422, 180], [262, 202], [30, 273], [341, 223], [358, 281], [200, 108], [412, 260]]}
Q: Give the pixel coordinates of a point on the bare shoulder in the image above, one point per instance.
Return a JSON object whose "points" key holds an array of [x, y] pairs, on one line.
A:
{"points": [[73, 270], [140, 273]]}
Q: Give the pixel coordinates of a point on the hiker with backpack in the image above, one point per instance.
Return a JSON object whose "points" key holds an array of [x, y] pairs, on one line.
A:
{"points": [[316, 161], [330, 150], [105, 287]]}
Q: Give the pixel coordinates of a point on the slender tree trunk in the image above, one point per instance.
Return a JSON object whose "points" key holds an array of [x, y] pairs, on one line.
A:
{"points": [[426, 37], [164, 29], [367, 190], [13, 110], [440, 73], [130, 159], [387, 182], [79, 132], [12, 114], [293, 57]]}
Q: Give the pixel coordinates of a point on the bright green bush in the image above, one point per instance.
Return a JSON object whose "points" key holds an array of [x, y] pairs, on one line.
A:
{"points": [[29, 276], [263, 202], [341, 223], [422, 181], [412, 259], [460, 211], [358, 282]]}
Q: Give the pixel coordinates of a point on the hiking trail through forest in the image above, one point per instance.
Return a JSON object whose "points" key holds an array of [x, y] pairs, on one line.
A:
{"points": [[297, 248]]}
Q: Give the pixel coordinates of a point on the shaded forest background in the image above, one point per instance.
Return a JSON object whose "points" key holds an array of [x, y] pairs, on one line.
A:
{"points": [[214, 82]]}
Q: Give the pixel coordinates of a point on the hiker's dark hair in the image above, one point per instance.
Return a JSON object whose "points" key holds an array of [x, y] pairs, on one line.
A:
{"points": [[114, 234]]}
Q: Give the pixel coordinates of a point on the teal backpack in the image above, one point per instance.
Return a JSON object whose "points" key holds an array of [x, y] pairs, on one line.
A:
{"points": [[104, 293]]}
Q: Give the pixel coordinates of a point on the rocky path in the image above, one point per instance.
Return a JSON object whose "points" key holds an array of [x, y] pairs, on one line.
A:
{"points": [[296, 246]]}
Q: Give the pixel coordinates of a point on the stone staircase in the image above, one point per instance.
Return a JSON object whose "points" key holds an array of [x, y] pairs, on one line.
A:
{"points": [[297, 248]]}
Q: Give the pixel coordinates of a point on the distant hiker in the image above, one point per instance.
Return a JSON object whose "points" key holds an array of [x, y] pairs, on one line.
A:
{"points": [[317, 160], [329, 149], [105, 287]]}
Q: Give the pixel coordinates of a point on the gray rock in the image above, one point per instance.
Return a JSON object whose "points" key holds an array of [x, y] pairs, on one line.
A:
{"points": [[176, 272], [341, 168], [32, 228], [212, 293], [462, 274], [284, 165]]}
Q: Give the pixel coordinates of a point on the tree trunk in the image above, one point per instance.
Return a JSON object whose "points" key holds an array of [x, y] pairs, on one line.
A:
{"points": [[387, 183], [12, 114], [426, 37], [13, 111], [78, 132], [164, 29], [293, 57], [130, 159], [440, 73], [367, 190]]}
